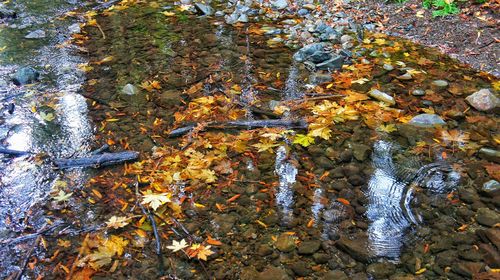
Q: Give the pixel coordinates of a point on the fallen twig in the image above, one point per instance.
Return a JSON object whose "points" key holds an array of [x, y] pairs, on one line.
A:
{"points": [[242, 124], [161, 265], [15, 153], [98, 160], [27, 258]]}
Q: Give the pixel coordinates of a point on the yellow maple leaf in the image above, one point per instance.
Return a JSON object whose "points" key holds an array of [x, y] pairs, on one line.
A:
{"points": [[178, 246], [117, 222], [155, 200], [387, 128], [265, 145], [319, 131]]}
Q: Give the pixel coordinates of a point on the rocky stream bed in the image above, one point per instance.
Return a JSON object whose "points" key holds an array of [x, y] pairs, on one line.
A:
{"points": [[402, 183]]}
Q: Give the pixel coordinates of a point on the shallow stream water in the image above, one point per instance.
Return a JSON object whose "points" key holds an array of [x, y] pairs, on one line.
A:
{"points": [[361, 205]]}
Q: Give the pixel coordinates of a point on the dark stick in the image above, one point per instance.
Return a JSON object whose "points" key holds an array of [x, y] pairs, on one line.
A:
{"points": [[15, 153], [242, 124], [104, 159], [161, 265], [27, 258], [104, 147]]}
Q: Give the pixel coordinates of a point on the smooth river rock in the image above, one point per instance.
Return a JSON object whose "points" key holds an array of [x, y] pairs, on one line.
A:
{"points": [[483, 100]]}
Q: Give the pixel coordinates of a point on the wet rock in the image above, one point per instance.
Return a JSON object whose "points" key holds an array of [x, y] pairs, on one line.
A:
{"points": [[346, 156], [405, 77], [319, 57], [300, 268], [388, 67], [440, 84], [427, 120], [357, 248], [490, 255], [381, 270], [74, 28], [490, 154], [490, 235], [467, 269], [273, 273], [445, 258], [264, 250], [36, 34], [468, 195], [302, 54], [130, 89], [335, 62], [483, 100], [248, 273], [418, 92], [285, 243], [321, 258], [491, 188], [25, 75], [324, 162], [309, 247], [6, 13], [356, 180], [382, 96], [360, 151], [224, 223], [204, 9], [335, 274], [487, 217], [303, 12], [320, 78], [279, 4], [470, 255]]}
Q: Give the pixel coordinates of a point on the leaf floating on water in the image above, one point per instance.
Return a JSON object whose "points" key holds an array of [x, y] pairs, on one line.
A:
{"points": [[304, 140], [117, 222], [178, 246], [62, 196], [387, 128], [48, 117], [155, 200]]}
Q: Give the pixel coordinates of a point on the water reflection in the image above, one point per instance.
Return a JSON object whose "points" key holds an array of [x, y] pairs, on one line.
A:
{"points": [[287, 173], [390, 193]]}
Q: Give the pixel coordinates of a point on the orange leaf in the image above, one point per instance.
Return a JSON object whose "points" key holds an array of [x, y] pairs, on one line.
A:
{"points": [[213, 241], [343, 201], [493, 170], [310, 223], [233, 198], [324, 175]]}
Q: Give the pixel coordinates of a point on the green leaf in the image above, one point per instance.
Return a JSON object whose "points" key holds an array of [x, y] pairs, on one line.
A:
{"points": [[304, 140], [62, 196], [47, 117]]}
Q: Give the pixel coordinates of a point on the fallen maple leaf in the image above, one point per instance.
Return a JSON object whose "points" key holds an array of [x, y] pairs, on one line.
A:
{"points": [[117, 222], [155, 200], [178, 246]]}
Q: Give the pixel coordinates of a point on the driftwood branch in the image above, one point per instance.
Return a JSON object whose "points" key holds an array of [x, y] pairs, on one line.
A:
{"points": [[15, 153], [246, 124], [103, 159]]}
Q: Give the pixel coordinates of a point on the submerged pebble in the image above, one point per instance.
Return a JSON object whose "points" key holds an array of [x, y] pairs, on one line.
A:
{"points": [[427, 120]]}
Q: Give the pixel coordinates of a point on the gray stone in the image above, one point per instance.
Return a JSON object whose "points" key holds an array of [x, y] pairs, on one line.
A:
{"points": [[25, 75], [285, 243], [279, 4], [300, 269], [130, 89], [490, 154], [492, 187], [360, 151], [309, 247], [427, 120], [418, 92], [483, 100], [321, 258], [382, 96], [37, 34], [204, 9], [346, 39], [487, 217], [273, 273], [440, 84], [357, 248], [319, 56], [388, 67], [381, 270], [405, 77], [335, 275], [331, 64], [303, 12], [74, 28], [306, 51]]}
